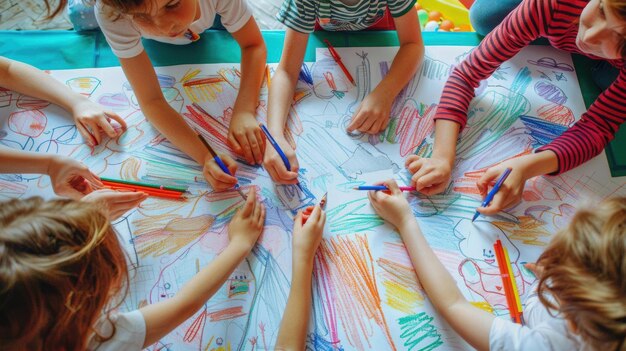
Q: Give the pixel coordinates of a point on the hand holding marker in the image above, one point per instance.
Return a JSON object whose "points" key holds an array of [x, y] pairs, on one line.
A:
{"points": [[493, 191], [220, 163], [280, 152], [307, 211]]}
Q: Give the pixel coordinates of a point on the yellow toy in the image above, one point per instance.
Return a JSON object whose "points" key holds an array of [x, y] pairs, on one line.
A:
{"points": [[451, 15]]}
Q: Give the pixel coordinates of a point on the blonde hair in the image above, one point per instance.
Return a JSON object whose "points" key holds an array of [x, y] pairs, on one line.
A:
{"points": [[584, 269], [60, 262]]}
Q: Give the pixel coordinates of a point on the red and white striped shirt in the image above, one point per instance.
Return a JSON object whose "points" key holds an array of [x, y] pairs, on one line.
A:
{"points": [[557, 21]]}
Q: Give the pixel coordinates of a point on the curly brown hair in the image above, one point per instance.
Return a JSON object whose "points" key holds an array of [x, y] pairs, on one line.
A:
{"points": [[60, 264], [584, 269]]}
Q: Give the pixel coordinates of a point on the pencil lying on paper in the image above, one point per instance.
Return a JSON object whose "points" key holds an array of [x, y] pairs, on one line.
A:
{"points": [[147, 185], [506, 282], [382, 187], [150, 191], [518, 301]]}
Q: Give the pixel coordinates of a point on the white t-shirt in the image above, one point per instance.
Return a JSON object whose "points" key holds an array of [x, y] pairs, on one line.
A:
{"points": [[130, 332], [541, 332], [125, 38]]}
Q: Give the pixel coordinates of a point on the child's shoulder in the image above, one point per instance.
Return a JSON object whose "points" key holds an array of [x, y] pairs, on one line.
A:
{"points": [[130, 332], [542, 331]]}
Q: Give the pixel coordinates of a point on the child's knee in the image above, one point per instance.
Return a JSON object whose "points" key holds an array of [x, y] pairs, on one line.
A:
{"points": [[485, 15]]}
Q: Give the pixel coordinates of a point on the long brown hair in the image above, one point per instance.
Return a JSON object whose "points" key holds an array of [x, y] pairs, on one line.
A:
{"points": [[584, 269], [60, 262], [619, 8], [56, 10]]}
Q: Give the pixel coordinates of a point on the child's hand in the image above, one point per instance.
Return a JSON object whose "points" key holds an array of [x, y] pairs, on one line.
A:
{"points": [[534, 269], [372, 115], [511, 190], [218, 179], [71, 178], [247, 224], [393, 208], [275, 166], [116, 203], [430, 175], [90, 118], [307, 236], [246, 138]]}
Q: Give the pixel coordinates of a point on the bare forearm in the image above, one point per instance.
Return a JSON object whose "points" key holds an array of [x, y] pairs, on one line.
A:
{"points": [[29, 80], [252, 69], [473, 324], [436, 280], [163, 317], [172, 125], [540, 163], [17, 161], [446, 134], [294, 325], [281, 95], [406, 62]]}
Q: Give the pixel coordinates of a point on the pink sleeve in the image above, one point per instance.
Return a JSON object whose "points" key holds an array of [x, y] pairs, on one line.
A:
{"points": [[596, 127]]}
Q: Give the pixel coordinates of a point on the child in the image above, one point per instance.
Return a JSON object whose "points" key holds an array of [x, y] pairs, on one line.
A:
{"points": [[90, 118], [592, 28], [61, 266], [306, 239], [372, 116], [124, 23], [69, 177], [580, 299]]}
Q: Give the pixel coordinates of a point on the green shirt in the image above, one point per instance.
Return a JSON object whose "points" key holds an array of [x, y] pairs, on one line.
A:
{"points": [[334, 15]]}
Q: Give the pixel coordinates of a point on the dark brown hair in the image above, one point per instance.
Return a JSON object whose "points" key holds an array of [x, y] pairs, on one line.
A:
{"points": [[54, 11]]}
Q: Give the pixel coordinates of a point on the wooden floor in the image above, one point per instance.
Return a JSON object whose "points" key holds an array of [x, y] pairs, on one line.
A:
{"points": [[29, 14]]}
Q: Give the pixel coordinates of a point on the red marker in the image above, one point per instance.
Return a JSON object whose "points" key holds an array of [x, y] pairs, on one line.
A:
{"points": [[307, 211], [337, 59]]}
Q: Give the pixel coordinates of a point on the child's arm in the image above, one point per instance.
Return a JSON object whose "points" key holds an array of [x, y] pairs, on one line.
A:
{"points": [[472, 323], [504, 42], [280, 100], [373, 113], [68, 177], [170, 123], [306, 239], [243, 231], [244, 134], [88, 116]]}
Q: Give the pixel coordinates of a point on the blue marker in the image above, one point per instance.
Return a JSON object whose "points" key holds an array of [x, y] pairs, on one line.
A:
{"points": [[493, 191], [383, 188], [280, 152], [220, 163]]}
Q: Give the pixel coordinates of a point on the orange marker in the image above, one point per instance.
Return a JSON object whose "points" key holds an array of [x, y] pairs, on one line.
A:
{"points": [[267, 75], [506, 282]]}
